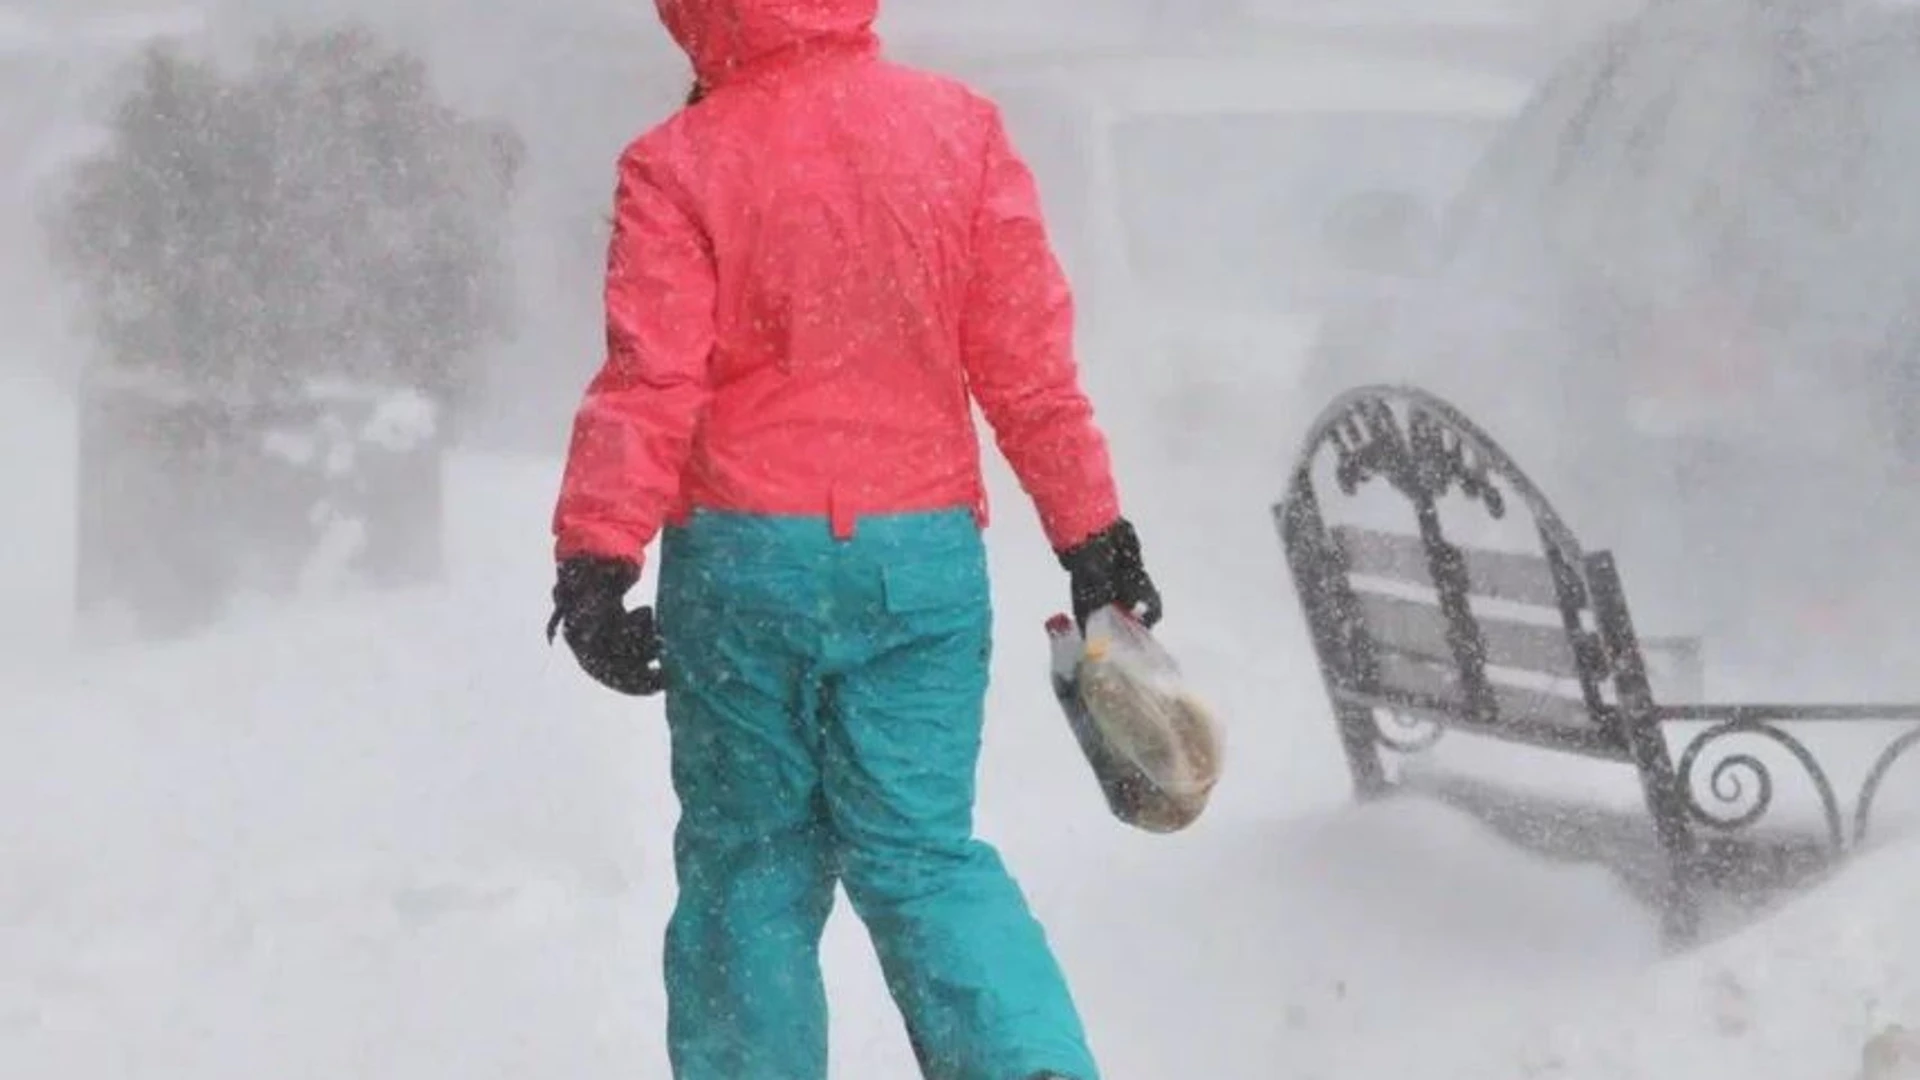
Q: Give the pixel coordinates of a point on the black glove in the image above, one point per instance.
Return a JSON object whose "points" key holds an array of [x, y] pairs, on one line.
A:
{"points": [[1107, 569], [619, 648]]}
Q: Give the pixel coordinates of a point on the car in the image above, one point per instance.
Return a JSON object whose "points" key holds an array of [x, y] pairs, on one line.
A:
{"points": [[1683, 278]]}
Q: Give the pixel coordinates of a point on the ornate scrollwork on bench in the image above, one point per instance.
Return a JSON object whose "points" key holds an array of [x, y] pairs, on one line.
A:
{"points": [[1427, 457], [1426, 449], [1737, 790]]}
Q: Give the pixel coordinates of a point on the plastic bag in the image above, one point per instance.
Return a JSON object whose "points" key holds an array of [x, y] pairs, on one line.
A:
{"points": [[1154, 747]]}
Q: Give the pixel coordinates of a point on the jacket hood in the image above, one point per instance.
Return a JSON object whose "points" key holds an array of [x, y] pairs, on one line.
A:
{"points": [[722, 36]]}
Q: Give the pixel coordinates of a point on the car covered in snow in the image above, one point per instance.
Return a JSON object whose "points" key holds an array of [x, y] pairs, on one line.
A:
{"points": [[1684, 279]]}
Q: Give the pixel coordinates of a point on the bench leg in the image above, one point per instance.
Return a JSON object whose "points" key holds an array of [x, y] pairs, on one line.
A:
{"points": [[1680, 909], [1361, 740], [1647, 748], [1680, 899]]}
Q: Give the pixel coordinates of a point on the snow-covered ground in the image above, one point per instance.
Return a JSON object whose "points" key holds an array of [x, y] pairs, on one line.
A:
{"points": [[400, 837]]}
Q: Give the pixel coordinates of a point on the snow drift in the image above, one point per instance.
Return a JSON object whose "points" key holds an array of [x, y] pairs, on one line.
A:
{"points": [[403, 838]]}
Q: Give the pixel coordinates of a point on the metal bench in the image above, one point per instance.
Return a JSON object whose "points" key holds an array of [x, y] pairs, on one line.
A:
{"points": [[1531, 643]]}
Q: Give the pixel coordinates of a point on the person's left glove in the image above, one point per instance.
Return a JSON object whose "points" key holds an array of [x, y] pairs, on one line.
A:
{"points": [[619, 648], [1107, 569]]}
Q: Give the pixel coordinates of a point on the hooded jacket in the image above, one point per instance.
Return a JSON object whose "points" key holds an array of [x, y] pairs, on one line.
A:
{"points": [[814, 273]]}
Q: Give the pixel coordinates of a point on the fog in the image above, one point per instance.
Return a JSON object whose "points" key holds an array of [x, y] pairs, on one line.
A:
{"points": [[291, 784]]}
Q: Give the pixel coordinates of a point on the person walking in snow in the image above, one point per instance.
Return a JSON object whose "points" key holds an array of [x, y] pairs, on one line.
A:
{"points": [[816, 268]]}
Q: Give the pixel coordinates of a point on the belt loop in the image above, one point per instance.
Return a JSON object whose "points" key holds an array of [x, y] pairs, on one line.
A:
{"points": [[841, 516]]}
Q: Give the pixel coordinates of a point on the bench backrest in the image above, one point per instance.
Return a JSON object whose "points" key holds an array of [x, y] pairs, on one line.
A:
{"points": [[1497, 640], [1530, 646]]}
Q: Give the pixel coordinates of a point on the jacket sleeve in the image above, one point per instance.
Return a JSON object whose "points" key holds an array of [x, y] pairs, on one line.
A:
{"points": [[1017, 340], [634, 429]]}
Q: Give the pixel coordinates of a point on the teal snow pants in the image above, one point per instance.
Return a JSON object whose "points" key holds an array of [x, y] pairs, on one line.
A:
{"points": [[826, 699]]}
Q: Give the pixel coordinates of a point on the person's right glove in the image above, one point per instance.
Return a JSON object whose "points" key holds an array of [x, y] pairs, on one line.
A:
{"points": [[619, 648], [1108, 569]]}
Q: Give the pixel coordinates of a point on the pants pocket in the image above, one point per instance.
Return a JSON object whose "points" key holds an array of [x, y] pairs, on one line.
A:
{"points": [[945, 604]]}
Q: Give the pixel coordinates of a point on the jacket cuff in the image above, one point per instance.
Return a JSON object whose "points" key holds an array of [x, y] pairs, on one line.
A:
{"points": [[599, 542], [1068, 531]]}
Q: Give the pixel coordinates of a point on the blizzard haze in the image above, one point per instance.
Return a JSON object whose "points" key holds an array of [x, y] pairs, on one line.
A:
{"points": [[291, 784]]}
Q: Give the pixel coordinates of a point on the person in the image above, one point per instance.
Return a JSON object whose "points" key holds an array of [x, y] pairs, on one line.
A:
{"points": [[816, 268]]}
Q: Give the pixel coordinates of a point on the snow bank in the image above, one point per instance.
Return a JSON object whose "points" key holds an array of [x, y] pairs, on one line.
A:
{"points": [[1825, 988]]}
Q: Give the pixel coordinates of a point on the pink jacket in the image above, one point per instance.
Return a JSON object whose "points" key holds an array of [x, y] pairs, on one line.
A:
{"points": [[813, 274]]}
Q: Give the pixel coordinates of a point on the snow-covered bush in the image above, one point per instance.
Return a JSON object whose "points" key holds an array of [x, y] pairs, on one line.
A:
{"points": [[310, 251]]}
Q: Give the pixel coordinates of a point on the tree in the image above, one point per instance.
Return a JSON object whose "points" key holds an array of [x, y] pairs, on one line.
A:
{"points": [[289, 273], [321, 215]]}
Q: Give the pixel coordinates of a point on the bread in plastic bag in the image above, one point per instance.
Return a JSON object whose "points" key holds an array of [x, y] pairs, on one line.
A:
{"points": [[1154, 747]]}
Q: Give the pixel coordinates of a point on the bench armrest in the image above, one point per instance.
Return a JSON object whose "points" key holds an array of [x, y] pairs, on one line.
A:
{"points": [[1797, 713], [1736, 806]]}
